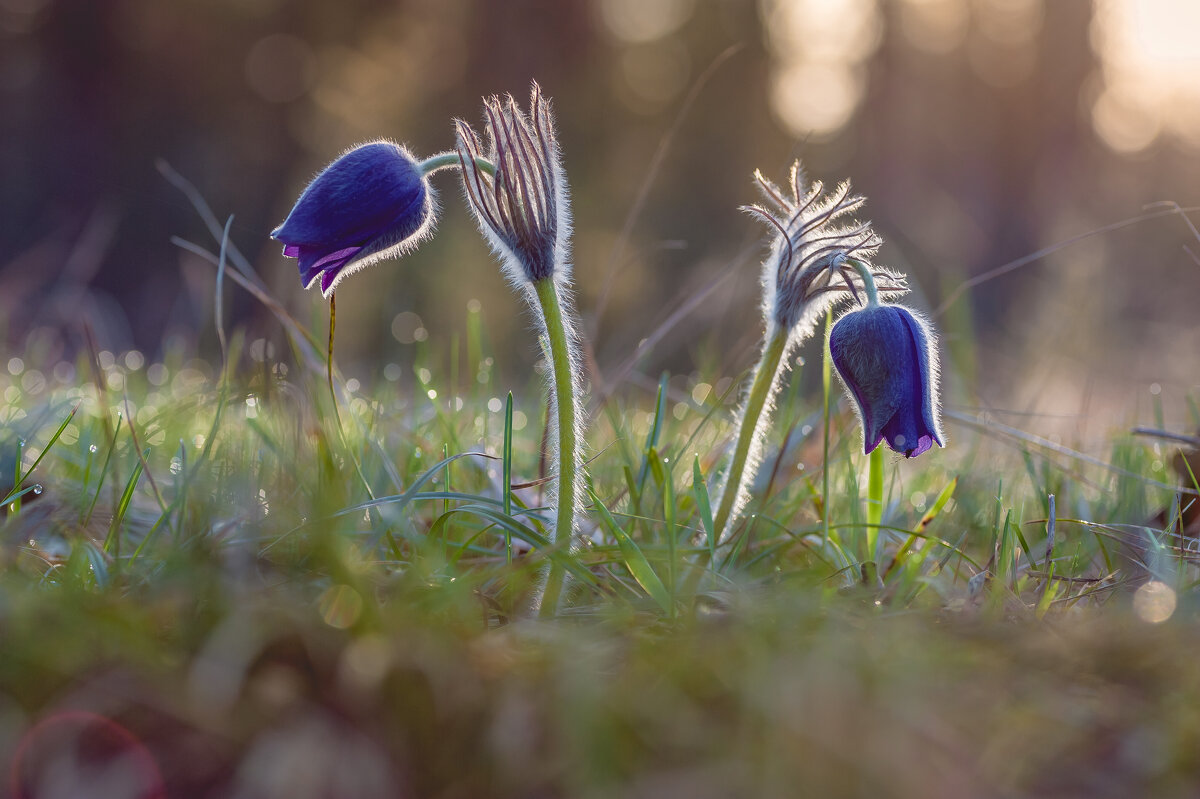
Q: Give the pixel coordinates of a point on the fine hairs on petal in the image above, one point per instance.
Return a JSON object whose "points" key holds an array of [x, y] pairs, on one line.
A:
{"points": [[385, 247], [330, 221], [887, 360], [933, 369]]}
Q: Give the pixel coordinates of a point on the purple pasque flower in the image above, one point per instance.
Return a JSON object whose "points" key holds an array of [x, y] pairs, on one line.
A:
{"points": [[885, 355], [522, 208], [372, 203], [813, 241]]}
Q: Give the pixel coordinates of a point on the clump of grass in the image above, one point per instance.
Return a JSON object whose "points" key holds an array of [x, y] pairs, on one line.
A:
{"points": [[206, 571]]}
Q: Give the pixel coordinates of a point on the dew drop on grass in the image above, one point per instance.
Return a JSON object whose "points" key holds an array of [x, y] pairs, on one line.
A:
{"points": [[93, 448], [37, 489]]}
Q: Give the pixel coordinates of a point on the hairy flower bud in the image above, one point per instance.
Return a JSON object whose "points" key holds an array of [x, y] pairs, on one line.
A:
{"points": [[522, 209], [810, 250], [885, 355], [372, 203]]}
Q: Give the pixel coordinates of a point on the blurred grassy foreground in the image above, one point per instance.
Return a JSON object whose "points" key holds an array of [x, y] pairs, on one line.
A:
{"points": [[199, 598]]}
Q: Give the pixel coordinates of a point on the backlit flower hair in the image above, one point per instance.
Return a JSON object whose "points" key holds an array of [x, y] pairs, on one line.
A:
{"points": [[806, 271]]}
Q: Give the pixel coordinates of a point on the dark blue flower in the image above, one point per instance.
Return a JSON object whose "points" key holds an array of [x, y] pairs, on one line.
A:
{"points": [[373, 202], [886, 358]]}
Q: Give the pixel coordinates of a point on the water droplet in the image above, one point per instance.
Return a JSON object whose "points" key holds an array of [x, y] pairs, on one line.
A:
{"points": [[92, 448], [21, 443], [37, 489]]}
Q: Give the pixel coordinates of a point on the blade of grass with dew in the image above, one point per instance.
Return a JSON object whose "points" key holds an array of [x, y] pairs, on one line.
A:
{"points": [[103, 472], [15, 493]]}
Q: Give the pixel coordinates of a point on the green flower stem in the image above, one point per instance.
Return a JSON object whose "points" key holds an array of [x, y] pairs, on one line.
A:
{"points": [[761, 388], [874, 499], [875, 459], [566, 414], [448, 160], [868, 279], [826, 408]]}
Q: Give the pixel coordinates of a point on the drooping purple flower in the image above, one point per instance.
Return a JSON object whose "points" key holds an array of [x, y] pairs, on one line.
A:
{"points": [[372, 203], [885, 355]]}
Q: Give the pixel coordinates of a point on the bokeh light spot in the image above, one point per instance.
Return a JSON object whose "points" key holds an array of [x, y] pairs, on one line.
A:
{"points": [[340, 606], [1154, 602], [638, 21]]}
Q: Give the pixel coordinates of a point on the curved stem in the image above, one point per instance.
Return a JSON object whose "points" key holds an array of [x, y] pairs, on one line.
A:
{"points": [[738, 478], [449, 160], [566, 413], [868, 280]]}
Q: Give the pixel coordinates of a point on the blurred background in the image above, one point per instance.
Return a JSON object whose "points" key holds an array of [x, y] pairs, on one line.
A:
{"points": [[981, 131]]}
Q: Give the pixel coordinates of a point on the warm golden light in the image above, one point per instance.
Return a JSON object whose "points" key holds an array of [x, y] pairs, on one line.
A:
{"points": [[1150, 57], [819, 47]]}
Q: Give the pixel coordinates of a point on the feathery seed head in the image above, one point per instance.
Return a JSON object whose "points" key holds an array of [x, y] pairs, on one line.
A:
{"points": [[810, 249]]}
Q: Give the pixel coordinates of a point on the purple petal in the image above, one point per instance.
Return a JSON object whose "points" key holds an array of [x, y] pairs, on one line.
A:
{"points": [[311, 266]]}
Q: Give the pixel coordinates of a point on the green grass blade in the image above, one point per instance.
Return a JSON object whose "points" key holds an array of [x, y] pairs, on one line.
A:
{"points": [[704, 506], [112, 542], [103, 473], [506, 487], [635, 559], [660, 411], [45, 450]]}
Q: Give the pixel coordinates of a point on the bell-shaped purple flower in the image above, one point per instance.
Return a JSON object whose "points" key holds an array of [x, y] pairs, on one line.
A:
{"points": [[886, 357], [372, 203]]}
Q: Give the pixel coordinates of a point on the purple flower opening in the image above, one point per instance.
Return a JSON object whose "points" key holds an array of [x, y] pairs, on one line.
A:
{"points": [[371, 203], [885, 356]]}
